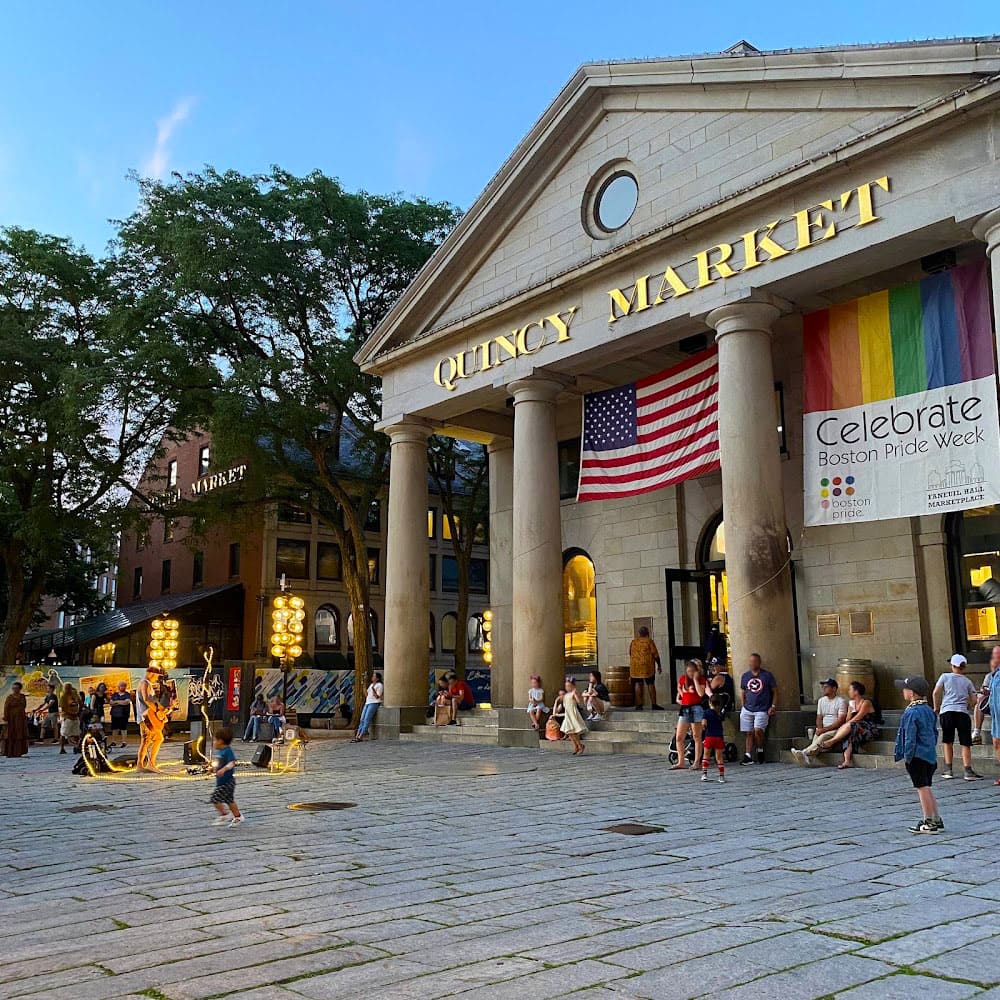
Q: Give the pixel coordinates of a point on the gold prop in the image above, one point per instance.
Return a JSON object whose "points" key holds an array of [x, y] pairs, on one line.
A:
{"points": [[487, 633], [287, 618], [163, 644]]}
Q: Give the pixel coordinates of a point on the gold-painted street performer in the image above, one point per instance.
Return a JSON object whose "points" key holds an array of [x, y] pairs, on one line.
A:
{"points": [[15, 717], [153, 701]]}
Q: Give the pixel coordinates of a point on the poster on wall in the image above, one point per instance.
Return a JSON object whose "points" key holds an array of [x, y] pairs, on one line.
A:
{"points": [[312, 692], [900, 402], [233, 689]]}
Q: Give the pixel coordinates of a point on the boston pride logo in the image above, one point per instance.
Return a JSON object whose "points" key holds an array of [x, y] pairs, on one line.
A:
{"points": [[838, 486]]}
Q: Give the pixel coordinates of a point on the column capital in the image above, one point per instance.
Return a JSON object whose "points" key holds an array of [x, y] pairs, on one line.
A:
{"points": [[535, 390], [987, 229], [499, 444], [756, 315], [408, 431]]}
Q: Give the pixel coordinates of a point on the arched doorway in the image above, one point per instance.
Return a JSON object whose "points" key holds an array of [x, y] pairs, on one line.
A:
{"points": [[579, 611], [712, 558]]}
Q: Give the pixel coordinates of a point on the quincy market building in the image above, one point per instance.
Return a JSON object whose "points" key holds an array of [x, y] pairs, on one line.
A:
{"points": [[765, 202]]}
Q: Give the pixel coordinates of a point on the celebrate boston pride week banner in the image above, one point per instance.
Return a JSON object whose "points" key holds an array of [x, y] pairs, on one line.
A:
{"points": [[900, 413]]}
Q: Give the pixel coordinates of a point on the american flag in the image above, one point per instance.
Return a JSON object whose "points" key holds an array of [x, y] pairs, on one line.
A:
{"points": [[655, 432]]}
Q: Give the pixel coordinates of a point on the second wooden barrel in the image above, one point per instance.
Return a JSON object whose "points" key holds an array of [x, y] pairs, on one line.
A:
{"points": [[619, 687], [856, 669]]}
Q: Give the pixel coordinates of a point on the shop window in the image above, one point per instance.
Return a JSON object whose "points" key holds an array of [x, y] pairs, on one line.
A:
{"points": [[431, 521], [372, 630], [292, 559], [290, 513], [433, 572], [479, 576], [327, 627], [204, 460], [373, 520], [476, 634], [975, 548], [234, 559], [481, 536], [373, 567], [449, 630], [172, 473], [165, 577], [328, 561], [141, 537], [451, 527], [433, 634], [449, 575], [569, 468], [198, 570], [579, 610]]}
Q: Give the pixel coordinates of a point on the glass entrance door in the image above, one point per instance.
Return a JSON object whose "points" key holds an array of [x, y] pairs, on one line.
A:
{"points": [[689, 607]]}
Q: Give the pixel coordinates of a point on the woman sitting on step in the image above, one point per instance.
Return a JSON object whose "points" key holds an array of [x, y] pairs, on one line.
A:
{"points": [[860, 727]]}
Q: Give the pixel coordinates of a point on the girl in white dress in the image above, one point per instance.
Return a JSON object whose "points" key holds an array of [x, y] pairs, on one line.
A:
{"points": [[573, 725]]}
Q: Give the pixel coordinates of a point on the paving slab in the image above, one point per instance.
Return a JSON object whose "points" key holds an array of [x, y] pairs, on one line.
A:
{"points": [[444, 880]]}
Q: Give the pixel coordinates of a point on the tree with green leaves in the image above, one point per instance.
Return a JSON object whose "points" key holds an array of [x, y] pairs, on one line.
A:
{"points": [[459, 471], [90, 380], [283, 278]]}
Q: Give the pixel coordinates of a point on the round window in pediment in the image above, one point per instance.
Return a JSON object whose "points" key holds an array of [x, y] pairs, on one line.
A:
{"points": [[616, 200]]}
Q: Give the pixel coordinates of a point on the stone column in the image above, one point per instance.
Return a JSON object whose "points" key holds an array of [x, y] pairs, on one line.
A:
{"points": [[407, 590], [537, 540], [987, 229], [761, 619], [501, 457]]}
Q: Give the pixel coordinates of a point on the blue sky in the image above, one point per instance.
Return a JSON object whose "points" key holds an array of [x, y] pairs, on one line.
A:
{"points": [[425, 98]]}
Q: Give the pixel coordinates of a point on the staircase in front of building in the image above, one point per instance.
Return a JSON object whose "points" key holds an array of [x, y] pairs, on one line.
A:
{"points": [[477, 728], [626, 731], [879, 753]]}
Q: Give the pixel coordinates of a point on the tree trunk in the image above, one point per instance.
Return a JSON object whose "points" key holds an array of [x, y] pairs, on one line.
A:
{"points": [[362, 646], [462, 627], [23, 598]]}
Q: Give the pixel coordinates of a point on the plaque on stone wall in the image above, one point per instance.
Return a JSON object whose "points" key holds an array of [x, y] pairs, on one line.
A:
{"points": [[827, 625], [861, 623]]}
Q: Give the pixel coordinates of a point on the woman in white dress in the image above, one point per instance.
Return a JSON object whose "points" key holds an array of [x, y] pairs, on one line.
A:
{"points": [[573, 725]]}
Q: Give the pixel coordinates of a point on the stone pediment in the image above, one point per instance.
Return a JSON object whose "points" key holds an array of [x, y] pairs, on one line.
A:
{"points": [[693, 132]]}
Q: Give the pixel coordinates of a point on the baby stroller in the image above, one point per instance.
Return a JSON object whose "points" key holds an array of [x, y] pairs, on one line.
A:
{"points": [[96, 730]]}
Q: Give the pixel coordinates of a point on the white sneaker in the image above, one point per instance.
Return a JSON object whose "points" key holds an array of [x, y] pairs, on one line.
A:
{"points": [[237, 820], [975, 735], [704, 775], [597, 718], [722, 779], [222, 820], [591, 717], [799, 757]]}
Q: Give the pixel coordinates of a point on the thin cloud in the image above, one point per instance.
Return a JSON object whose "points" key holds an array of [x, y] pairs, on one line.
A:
{"points": [[157, 164]]}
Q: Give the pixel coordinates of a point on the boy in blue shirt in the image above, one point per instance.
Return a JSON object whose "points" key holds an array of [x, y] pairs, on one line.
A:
{"points": [[224, 765], [916, 744]]}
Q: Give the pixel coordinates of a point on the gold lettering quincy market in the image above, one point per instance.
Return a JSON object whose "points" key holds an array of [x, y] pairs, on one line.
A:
{"points": [[760, 246], [520, 342]]}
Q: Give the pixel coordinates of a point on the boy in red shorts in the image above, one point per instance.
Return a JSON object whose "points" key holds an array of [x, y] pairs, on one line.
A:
{"points": [[714, 739]]}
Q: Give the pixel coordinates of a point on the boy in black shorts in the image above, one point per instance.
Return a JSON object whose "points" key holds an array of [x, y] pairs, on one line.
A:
{"points": [[916, 744]]}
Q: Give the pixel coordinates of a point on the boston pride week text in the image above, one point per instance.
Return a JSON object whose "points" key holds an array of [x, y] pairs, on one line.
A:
{"points": [[900, 414]]}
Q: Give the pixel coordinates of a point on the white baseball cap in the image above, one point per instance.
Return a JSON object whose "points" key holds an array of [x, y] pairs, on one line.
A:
{"points": [[958, 660]]}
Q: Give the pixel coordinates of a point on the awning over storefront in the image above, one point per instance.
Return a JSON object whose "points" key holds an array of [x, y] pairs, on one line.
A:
{"points": [[101, 628]]}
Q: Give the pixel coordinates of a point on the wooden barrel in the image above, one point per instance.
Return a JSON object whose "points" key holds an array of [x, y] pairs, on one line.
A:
{"points": [[851, 668], [620, 687]]}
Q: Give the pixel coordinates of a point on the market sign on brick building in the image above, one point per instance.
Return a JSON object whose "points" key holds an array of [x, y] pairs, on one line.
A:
{"points": [[900, 413]]}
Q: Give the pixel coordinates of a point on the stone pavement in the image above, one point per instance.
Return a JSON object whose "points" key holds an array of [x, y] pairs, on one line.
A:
{"points": [[481, 873]]}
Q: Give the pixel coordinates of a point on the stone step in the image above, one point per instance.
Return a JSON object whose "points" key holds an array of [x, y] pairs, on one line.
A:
{"points": [[451, 736], [627, 736], [465, 727], [987, 766], [887, 746], [608, 747]]}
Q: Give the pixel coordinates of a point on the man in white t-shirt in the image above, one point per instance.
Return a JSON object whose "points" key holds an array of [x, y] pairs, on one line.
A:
{"points": [[831, 714], [954, 696]]}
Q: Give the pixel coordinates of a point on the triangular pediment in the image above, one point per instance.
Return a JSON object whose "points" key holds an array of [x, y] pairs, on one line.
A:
{"points": [[692, 132]]}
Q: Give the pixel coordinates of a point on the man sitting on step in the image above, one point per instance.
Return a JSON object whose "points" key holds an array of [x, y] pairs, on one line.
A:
{"points": [[460, 698], [831, 714]]}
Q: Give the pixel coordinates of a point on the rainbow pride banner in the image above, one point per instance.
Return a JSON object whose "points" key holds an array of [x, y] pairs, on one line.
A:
{"points": [[900, 402]]}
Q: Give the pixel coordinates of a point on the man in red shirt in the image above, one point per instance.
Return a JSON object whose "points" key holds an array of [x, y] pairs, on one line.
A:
{"points": [[461, 698]]}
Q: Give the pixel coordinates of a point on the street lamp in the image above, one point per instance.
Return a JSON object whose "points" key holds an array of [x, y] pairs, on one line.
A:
{"points": [[287, 618], [487, 632]]}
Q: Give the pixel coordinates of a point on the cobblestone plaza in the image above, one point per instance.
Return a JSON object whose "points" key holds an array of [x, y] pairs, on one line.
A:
{"points": [[482, 872]]}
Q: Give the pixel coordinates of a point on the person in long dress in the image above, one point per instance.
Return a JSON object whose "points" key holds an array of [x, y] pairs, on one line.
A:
{"points": [[15, 717], [573, 725]]}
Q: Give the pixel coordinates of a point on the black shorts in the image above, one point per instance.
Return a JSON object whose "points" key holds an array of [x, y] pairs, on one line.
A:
{"points": [[921, 772], [224, 794], [956, 722]]}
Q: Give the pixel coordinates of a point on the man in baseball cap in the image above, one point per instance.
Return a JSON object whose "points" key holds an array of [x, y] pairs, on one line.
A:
{"points": [[916, 745], [954, 697]]}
